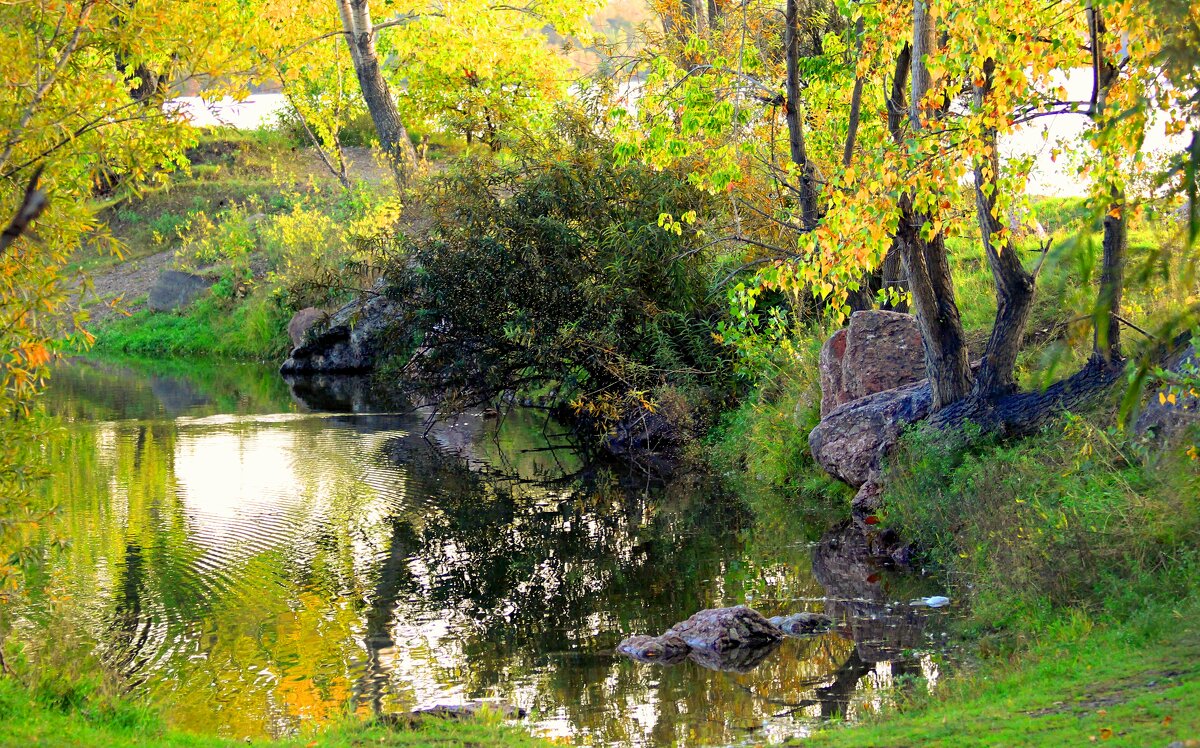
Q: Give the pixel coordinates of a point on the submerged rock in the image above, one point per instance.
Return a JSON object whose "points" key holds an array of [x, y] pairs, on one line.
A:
{"points": [[802, 624], [665, 650], [723, 629], [734, 639]]}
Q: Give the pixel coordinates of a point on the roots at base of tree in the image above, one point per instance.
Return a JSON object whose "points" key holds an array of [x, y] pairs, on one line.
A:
{"points": [[853, 441]]}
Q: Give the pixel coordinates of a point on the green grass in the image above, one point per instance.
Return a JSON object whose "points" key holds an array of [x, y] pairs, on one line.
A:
{"points": [[32, 718], [253, 329], [1129, 685]]}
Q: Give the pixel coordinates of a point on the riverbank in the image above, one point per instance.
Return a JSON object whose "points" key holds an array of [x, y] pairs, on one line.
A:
{"points": [[1084, 681], [58, 719]]}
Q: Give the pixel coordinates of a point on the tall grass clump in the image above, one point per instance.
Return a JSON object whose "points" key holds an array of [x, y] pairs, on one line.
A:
{"points": [[1079, 517]]}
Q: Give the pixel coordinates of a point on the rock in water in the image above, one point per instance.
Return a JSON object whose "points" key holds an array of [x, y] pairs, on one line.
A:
{"points": [[349, 341], [175, 289], [724, 629], [663, 650], [802, 624]]}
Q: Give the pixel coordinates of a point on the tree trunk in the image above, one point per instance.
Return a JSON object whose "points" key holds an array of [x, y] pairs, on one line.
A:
{"points": [[931, 289], [393, 136], [1014, 286], [929, 282], [1023, 413], [922, 44], [1106, 343], [799, 151]]}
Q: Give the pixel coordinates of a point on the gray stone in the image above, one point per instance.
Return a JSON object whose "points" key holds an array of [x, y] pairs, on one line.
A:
{"points": [[850, 442], [175, 289], [350, 340], [303, 321]]}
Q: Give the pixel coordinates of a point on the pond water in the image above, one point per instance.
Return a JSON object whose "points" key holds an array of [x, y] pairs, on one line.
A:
{"points": [[254, 561]]}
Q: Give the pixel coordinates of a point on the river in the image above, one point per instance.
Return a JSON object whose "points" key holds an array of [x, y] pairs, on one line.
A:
{"points": [[255, 562]]}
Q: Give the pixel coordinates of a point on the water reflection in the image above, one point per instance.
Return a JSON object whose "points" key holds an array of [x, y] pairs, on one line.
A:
{"points": [[253, 565]]}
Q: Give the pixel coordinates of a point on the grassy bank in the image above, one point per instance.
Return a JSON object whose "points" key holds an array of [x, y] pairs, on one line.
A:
{"points": [[46, 716], [1136, 684]]}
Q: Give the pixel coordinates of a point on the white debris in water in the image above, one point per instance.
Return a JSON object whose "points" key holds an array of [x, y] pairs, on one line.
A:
{"points": [[936, 601]]}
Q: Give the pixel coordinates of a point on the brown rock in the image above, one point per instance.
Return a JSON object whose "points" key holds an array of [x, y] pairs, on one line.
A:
{"points": [[832, 392], [883, 351], [302, 321], [850, 442], [723, 629]]}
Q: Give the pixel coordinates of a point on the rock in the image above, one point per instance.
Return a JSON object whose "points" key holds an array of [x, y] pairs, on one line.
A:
{"points": [[175, 289], [832, 353], [726, 639], [303, 321], [470, 709], [349, 341], [662, 650], [878, 351], [851, 441], [883, 352], [723, 629], [802, 624], [868, 499], [1163, 419]]}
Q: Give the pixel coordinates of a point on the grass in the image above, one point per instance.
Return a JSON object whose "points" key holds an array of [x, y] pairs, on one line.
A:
{"points": [[29, 717], [251, 330], [1115, 686]]}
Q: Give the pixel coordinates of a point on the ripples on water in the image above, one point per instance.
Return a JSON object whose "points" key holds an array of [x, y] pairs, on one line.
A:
{"points": [[252, 566]]}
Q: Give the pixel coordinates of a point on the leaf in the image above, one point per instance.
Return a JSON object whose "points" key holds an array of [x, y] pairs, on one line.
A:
{"points": [[871, 520]]}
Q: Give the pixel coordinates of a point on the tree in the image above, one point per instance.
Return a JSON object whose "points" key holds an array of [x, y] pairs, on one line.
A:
{"points": [[882, 138], [360, 35], [75, 115]]}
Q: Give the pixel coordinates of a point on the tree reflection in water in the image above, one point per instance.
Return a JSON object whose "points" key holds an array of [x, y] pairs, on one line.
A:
{"points": [[252, 566]]}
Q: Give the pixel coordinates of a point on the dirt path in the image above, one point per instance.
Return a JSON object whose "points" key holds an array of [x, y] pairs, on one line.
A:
{"points": [[129, 282]]}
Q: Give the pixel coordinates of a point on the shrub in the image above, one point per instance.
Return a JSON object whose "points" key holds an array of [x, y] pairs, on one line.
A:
{"points": [[555, 271], [1078, 516]]}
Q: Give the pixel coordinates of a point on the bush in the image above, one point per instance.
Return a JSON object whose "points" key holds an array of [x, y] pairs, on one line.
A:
{"points": [[555, 271], [1078, 517]]}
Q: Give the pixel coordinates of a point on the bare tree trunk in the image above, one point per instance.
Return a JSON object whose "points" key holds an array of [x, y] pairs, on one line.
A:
{"points": [[922, 44], [929, 282], [799, 151], [393, 136], [1014, 286], [1106, 343]]}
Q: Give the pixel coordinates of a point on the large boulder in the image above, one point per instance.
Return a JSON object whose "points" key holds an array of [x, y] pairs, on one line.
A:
{"points": [[833, 353], [883, 352], [851, 441], [175, 289], [349, 341], [878, 351]]}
